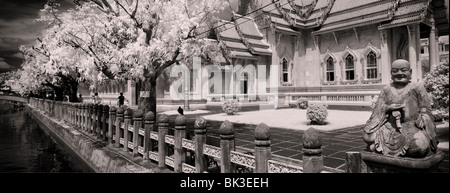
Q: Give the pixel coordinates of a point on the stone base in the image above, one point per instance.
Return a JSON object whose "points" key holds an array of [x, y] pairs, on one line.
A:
{"points": [[378, 163]]}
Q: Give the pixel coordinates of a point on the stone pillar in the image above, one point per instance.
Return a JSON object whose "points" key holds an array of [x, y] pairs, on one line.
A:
{"points": [[180, 133], [413, 52], [262, 148], [94, 118], [433, 48], [137, 117], [386, 58], [200, 141], [149, 121], [127, 123], [105, 126], [354, 163], [78, 114], [118, 123], [312, 151], [163, 127], [111, 121], [99, 120], [89, 117], [85, 114], [227, 145], [131, 92]]}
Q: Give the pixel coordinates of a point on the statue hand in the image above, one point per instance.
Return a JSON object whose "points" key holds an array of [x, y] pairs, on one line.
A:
{"points": [[419, 122], [394, 107]]}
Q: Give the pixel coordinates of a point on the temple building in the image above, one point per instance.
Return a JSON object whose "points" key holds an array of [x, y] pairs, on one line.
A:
{"points": [[337, 52]]}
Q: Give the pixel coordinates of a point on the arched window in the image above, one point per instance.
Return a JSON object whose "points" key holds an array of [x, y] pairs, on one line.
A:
{"points": [[371, 68], [285, 66], [330, 69], [349, 68]]}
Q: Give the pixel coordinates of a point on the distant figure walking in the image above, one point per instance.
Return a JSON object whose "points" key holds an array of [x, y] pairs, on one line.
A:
{"points": [[97, 99], [121, 99], [80, 98], [180, 110]]}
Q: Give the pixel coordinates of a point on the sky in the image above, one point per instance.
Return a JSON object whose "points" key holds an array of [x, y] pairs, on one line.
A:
{"points": [[18, 26]]}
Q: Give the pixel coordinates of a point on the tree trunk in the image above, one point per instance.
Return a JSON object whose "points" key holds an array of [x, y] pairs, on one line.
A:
{"points": [[147, 101], [73, 88], [59, 94]]}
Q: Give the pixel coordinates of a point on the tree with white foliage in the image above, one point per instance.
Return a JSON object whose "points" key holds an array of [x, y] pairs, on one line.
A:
{"points": [[101, 40]]}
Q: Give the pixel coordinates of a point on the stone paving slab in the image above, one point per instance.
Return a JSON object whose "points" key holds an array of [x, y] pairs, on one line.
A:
{"points": [[342, 134]]}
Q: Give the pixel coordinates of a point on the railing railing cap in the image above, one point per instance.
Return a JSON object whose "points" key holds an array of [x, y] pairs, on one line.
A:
{"points": [[163, 118], [180, 120], [120, 110], [138, 113], [105, 108], [128, 112], [149, 116], [312, 139], [262, 132], [112, 109], [226, 128], [200, 123]]}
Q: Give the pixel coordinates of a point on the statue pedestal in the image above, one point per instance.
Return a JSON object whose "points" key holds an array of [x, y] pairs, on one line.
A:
{"points": [[378, 163]]}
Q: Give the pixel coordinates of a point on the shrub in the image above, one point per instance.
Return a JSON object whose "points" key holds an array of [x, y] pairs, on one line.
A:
{"points": [[231, 107], [302, 103], [316, 113], [437, 84]]}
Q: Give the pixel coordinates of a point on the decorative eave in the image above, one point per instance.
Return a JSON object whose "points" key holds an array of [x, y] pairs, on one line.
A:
{"points": [[325, 12], [303, 11], [285, 15], [421, 16], [246, 38]]}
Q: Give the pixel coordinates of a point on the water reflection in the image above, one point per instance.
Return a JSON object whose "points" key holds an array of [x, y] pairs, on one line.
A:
{"points": [[26, 148]]}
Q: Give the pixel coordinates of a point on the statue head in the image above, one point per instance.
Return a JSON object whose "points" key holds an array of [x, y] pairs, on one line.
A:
{"points": [[401, 71]]}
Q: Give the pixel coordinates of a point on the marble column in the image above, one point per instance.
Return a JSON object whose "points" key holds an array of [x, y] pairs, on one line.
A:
{"points": [[131, 92], [386, 58], [413, 52], [433, 51]]}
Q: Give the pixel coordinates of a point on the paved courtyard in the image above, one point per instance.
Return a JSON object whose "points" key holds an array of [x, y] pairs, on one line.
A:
{"points": [[342, 133]]}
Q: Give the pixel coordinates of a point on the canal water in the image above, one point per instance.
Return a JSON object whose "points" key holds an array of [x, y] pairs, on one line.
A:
{"points": [[27, 148]]}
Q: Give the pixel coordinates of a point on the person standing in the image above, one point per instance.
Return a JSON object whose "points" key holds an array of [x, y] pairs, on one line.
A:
{"points": [[80, 98], [121, 99], [97, 99]]}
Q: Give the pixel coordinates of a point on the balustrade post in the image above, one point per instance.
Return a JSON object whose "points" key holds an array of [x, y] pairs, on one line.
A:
{"points": [[72, 113], [90, 115], [137, 117], [77, 114], [80, 115], [227, 145], [94, 118], [354, 163], [81, 106], [163, 127], [200, 141], [99, 120], [127, 123], [85, 115], [149, 121], [312, 151], [105, 125], [69, 112], [41, 105], [180, 133], [262, 148], [111, 121], [118, 123]]}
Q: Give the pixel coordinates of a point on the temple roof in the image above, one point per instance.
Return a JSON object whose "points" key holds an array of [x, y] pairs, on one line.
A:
{"points": [[240, 38], [324, 16]]}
